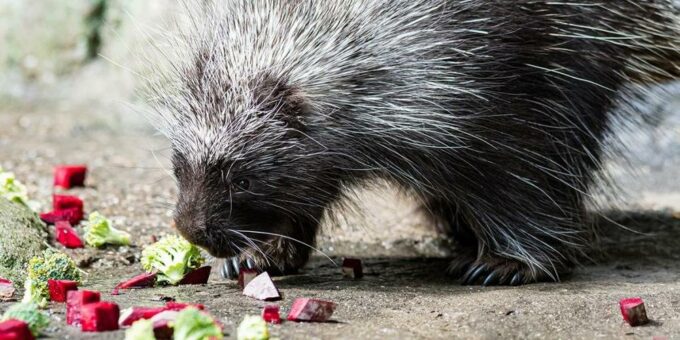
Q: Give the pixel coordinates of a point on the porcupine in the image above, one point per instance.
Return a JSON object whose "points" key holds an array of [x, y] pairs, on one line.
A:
{"points": [[490, 112]]}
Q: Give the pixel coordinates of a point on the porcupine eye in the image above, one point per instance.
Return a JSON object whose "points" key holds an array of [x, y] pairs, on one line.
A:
{"points": [[241, 185]]}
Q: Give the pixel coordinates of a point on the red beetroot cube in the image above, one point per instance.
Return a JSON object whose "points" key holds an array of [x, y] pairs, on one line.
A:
{"points": [[178, 306], [61, 202], [352, 268], [69, 176], [72, 215], [75, 299], [143, 280], [99, 317], [262, 288], [129, 315], [304, 309], [270, 313], [13, 329], [197, 276], [161, 324], [245, 276], [633, 311], [67, 236], [60, 288]]}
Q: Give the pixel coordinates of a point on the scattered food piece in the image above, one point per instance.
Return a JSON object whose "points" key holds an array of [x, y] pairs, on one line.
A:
{"points": [[99, 317], [252, 327], [140, 330], [72, 215], [246, 275], [100, 232], [11, 189], [29, 313], [61, 202], [192, 323], [197, 276], [14, 329], [262, 288], [304, 309], [7, 290], [352, 268], [60, 288], [163, 298], [163, 324], [52, 265], [75, 299], [70, 176], [633, 311], [67, 236], [178, 306], [172, 257], [270, 313], [144, 280], [129, 315]]}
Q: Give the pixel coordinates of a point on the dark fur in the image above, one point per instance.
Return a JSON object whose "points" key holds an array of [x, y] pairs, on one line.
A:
{"points": [[506, 164]]}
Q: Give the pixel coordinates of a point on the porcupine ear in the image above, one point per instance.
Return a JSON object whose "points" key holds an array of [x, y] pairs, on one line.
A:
{"points": [[287, 101]]}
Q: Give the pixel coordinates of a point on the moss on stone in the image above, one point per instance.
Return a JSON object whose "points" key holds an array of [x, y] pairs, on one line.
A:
{"points": [[22, 236]]}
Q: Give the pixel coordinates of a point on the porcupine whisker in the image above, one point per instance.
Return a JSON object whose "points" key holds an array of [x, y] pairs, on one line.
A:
{"points": [[291, 239], [252, 244]]}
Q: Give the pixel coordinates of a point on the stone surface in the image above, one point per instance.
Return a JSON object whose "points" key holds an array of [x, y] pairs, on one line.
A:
{"points": [[22, 236]]}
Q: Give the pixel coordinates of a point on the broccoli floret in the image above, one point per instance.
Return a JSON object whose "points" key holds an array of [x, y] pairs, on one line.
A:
{"points": [[11, 189], [29, 313], [140, 330], [53, 265], [172, 257], [253, 327], [100, 232], [192, 324]]}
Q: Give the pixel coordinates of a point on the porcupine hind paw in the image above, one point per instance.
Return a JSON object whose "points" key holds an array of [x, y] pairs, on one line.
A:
{"points": [[495, 271]]}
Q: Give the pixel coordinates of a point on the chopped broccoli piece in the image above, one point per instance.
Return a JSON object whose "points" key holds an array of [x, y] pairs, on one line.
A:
{"points": [[12, 189], [29, 313], [172, 257], [192, 324], [253, 327], [100, 232], [53, 265], [140, 330]]}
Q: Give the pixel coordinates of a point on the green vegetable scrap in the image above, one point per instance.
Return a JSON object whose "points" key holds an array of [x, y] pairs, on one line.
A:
{"points": [[253, 327], [172, 257], [100, 232], [192, 324], [140, 330], [12, 189], [53, 265], [29, 313]]}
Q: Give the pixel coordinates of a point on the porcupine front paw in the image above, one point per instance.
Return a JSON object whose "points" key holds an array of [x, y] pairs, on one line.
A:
{"points": [[495, 271]]}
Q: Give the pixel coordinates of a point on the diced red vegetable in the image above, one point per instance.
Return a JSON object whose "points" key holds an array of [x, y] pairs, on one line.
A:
{"points": [[245, 276], [75, 299], [143, 280], [129, 315], [99, 317], [197, 276], [13, 329], [72, 215], [67, 236], [69, 176], [633, 311], [161, 324], [60, 288], [7, 290], [61, 202], [262, 288], [178, 306], [270, 313], [352, 268], [304, 309]]}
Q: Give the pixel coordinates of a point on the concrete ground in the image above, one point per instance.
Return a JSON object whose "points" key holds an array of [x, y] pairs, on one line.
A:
{"points": [[405, 294]]}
